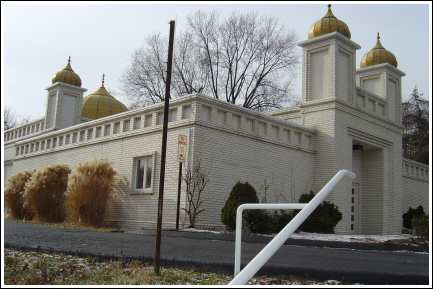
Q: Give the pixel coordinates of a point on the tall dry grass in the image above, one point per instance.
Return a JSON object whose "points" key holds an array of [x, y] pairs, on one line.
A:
{"points": [[14, 196], [45, 193], [90, 187]]}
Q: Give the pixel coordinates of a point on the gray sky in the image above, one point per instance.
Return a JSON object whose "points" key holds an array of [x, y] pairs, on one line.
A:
{"points": [[101, 38]]}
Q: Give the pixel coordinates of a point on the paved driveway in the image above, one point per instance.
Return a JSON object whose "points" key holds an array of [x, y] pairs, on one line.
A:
{"points": [[363, 266]]}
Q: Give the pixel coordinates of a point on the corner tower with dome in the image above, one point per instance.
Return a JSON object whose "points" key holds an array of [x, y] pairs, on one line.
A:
{"points": [[350, 118]]}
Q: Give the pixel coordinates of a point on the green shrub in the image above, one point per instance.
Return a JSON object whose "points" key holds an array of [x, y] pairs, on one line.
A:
{"points": [[90, 187], [323, 219], [14, 196], [45, 193], [240, 194], [420, 226], [410, 214]]}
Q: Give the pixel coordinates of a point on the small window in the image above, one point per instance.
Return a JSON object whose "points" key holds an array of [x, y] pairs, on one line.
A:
{"points": [[107, 129], [275, 131], [32, 147], [37, 147], [206, 113], [249, 124], [137, 122], [172, 115], [126, 125], [98, 132], [143, 174], [82, 133], [74, 137], [159, 118], [42, 145], [48, 143], [22, 149], [148, 120], [17, 151], [54, 142], [60, 141], [116, 127], [67, 139], [27, 149], [186, 111], [90, 133]]}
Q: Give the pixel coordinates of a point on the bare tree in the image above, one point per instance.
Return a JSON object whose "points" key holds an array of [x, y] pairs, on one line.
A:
{"points": [[196, 181], [243, 59], [10, 119], [415, 120]]}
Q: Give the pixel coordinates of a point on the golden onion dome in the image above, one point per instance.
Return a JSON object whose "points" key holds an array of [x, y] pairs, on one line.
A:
{"points": [[378, 55], [328, 24], [67, 75], [100, 104]]}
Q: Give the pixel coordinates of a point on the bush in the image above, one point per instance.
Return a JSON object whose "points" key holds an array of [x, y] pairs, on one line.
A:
{"points": [[45, 193], [323, 219], [14, 196], [410, 214], [420, 226], [90, 187], [240, 194]]}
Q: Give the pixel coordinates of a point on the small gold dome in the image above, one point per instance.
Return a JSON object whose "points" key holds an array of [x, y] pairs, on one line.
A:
{"points": [[100, 104], [67, 75], [378, 55], [328, 24]]}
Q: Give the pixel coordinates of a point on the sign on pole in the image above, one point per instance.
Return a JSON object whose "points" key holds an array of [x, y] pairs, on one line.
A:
{"points": [[181, 148]]}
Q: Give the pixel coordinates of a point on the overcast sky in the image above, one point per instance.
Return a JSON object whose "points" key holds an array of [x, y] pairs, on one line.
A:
{"points": [[101, 38]]}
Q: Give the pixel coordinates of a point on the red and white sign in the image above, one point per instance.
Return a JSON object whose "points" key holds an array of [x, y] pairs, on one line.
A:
{"points": [[181, 148]]}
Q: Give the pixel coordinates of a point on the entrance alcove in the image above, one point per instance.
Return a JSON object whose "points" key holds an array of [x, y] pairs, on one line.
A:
{"points": [[366, 200]]}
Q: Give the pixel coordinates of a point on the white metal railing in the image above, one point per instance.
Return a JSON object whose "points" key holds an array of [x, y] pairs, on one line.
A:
{"points": [[269, 250]]}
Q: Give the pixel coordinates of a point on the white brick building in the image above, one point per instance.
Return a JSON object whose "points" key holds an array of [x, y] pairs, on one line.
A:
{"points": [[350, 119]]}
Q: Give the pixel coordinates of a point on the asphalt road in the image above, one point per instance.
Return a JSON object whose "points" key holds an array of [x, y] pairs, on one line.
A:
{"points": [[361, 266]]}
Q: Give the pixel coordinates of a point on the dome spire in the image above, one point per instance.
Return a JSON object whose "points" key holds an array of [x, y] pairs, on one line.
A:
{"points": [[378, 55], [67, 75], [103, 79], [328, 24]]}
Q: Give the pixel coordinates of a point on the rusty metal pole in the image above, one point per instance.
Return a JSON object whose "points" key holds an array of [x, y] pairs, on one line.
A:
{"points": [[179, 187], [163, 151]]}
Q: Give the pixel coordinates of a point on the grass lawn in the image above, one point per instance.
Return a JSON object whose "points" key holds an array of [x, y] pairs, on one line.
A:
{"points": [[32, 268]]}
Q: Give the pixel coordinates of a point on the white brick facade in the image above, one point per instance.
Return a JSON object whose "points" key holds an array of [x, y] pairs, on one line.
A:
{"points": [[349, 120]]}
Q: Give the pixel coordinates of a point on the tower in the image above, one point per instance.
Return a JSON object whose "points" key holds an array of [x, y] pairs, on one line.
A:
{"points": [[328, 61], [64, 101], [378, 74]]}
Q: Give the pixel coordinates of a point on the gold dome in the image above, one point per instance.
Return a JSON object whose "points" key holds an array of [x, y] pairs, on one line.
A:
{"points": [[67, 75], [100, 104], [328, 24], [378, 55]]}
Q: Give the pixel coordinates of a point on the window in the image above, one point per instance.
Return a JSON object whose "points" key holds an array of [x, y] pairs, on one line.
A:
{"points": [[60, 141], [236, 121], [67, 139], [54, 142], [107, 129], [90, 133], [74, 137], [172, 115], [17, 152], [42, 145], [159, 118], [48, 143], [143, 173], [186, 111], [37, 147], [82, 135], [98, 131], [126, 124], [137, 122], [116, 127], [148, 120]]}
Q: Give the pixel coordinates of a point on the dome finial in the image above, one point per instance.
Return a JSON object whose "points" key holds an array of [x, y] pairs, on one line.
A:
{"points": [[329, 12], [103, 79], [69, 60], [378, 36]]}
